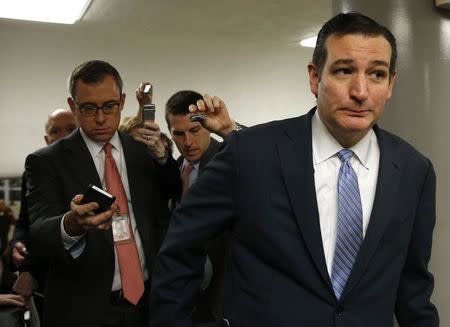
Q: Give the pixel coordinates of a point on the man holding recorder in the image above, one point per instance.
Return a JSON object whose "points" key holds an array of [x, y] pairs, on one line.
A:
{"points": [[96, 279]]}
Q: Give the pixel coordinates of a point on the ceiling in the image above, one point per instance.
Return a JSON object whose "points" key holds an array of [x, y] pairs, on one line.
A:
{"points": [[244, 19]]}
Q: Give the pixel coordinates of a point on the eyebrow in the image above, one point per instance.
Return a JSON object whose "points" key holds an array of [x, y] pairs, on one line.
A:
{"points": [[94, 103], [350, 61]]}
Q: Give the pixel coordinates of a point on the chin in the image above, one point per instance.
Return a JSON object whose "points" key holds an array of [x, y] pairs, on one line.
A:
{"points": [[190, 157], [357, 124], [101, 138]]}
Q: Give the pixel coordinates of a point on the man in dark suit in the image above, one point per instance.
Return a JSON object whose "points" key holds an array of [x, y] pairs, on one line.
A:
{"points": [[94, 278], [60, 123], [197, 148], [331, 216]]}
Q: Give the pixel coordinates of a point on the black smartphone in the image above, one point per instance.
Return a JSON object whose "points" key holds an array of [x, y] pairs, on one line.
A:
{"points": [[148, 113], [197, 116], [96, 194]]}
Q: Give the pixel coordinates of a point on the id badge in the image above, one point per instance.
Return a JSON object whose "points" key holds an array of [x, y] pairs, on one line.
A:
{"points": [[121, 228]]}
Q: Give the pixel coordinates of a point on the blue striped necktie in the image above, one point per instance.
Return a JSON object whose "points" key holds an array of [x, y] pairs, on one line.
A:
{"points": [[349, 225]]}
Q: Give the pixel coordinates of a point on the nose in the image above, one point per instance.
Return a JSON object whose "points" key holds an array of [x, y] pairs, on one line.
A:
{"points": [[188, 140], [100, 116], [359, 89]]}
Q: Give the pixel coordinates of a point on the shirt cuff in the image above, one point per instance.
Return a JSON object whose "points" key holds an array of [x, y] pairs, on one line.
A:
{"points": [[74, 244]]}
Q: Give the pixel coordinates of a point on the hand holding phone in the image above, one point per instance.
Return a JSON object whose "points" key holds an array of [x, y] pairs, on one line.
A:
{"points": [[148, 113], [96, 194]]}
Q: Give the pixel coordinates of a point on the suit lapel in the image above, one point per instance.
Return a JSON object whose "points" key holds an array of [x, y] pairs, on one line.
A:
{"points": [[298, 173], [80, 163], [383, 207]]}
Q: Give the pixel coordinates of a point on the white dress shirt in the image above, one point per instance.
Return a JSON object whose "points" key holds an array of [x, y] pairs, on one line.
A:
{"points": [[76, 245], [365, 162]]}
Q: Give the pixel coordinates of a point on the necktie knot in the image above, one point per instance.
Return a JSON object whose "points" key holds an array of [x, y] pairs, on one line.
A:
{"points": [[345, 155], [188, 168], [108, 148]]}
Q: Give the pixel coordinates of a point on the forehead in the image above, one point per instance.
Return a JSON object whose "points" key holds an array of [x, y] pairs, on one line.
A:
{"points": [[62, 119], [181, 123], [358, 47], [106, 88]]}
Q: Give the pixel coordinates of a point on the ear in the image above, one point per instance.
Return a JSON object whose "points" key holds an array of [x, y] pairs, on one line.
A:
{"points": [[47, 141], [72, 105], [122, 101], [392, 79], [313, 79]]}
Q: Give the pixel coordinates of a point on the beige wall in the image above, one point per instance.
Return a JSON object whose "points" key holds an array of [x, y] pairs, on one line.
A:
{"points": [[261, 76]]}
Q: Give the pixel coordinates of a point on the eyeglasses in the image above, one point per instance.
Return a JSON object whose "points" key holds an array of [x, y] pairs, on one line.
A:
{"points": [[90, 110]]}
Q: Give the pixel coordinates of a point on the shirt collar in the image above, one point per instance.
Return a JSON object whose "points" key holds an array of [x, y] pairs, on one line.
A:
{"points": [[96, 147], [195, 165], [325, 145]]}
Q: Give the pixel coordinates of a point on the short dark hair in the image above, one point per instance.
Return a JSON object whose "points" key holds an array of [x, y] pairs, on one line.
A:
{"points": [[178, 104], [93, 71], [351, 23]]}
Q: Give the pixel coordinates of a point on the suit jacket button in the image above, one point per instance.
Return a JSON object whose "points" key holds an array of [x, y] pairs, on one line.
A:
{"points": [[339, 312]]}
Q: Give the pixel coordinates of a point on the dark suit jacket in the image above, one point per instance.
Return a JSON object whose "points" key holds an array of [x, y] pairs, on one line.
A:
{"points": [[22, 229], [77, 290], [22, 234], [210, 302], [262, 187]]}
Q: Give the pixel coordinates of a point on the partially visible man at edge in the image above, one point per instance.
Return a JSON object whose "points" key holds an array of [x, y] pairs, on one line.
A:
{"points": [[60, 123]]}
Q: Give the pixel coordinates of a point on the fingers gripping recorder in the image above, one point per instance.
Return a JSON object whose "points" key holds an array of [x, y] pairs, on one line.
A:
{"points": [[197, 116]]}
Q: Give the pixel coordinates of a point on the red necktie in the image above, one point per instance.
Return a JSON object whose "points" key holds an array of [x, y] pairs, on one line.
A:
{"points": [[127, 254], [185, 176]]}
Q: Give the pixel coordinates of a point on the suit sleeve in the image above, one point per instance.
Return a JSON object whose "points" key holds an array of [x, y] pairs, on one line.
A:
{"points": [[46, 207], [413, 305], [204, 213], [21, 231], [169, 179]]}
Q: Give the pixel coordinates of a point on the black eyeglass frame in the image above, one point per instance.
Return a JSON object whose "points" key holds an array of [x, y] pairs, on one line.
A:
{"points": [[88, 108]]}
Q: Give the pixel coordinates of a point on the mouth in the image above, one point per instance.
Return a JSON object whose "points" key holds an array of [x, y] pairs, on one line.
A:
{"points": [[101, 130], [190, 152], [356, 112]]}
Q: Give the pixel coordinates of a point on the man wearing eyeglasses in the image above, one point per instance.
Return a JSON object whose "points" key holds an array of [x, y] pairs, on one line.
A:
{"points": [[97, 276]]}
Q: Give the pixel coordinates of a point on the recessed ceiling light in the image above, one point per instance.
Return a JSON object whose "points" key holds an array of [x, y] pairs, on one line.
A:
{"points": [[309, 42], [50, 11]]}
